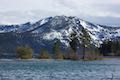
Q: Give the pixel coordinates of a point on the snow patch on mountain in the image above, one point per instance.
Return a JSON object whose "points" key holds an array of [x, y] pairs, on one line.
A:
{"points": [[52, 35]]}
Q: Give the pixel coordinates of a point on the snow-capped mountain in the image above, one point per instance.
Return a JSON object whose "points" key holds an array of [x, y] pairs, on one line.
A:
{"points": [[47, 30]]}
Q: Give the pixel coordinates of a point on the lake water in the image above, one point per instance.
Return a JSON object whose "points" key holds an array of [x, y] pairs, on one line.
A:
{"points": [[59, 70]]}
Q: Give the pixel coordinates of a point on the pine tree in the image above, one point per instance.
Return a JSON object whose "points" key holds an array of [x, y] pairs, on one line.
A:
{"points": [[85, 37], [72, 55], [74, 42], [57, 51]]}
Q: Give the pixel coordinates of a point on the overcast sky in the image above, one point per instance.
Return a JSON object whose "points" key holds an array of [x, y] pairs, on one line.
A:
{"points": [[97, 11]]}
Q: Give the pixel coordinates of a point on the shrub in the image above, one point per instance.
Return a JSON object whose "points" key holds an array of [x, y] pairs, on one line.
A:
{"points": [[24, 52], [44, 54], [59, 56]]}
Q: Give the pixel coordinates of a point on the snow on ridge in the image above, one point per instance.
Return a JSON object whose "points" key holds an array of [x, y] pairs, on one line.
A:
{"points": [[83, 23], [43, 21]]}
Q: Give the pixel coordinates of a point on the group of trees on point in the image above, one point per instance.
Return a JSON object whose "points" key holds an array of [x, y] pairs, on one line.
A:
{"points": [[25, 52]]}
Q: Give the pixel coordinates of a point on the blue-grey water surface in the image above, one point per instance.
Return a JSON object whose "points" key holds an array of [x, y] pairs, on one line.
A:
{"points": [[59, 70]]}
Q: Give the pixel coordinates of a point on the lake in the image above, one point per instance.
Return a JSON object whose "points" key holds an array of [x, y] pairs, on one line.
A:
{"points": [[59, 70]]}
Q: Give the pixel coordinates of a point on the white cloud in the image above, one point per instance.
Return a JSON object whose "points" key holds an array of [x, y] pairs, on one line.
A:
{"points": [[19, 11]]}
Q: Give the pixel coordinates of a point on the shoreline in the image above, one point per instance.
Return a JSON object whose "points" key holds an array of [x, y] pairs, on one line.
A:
{"points": [[111, 58], [34, 59]]}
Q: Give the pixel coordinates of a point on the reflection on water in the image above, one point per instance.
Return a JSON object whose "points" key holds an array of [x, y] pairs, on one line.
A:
{"points": [[59, 70]]}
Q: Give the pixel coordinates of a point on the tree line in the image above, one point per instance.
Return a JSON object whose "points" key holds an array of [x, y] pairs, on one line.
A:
{"points": [[110, 48]]}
